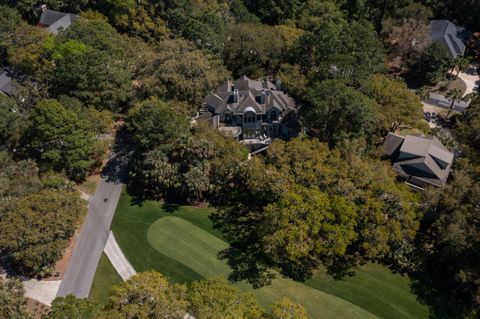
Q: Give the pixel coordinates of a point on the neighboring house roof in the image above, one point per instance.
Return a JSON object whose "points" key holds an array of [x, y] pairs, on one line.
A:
{"points": [[423, 158], [6, 85], [55, 20], [450, 35], [246, 95]]}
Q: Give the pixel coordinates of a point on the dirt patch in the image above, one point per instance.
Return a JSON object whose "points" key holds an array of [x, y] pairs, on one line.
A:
{"points": [[36, 308], [89, 185]]}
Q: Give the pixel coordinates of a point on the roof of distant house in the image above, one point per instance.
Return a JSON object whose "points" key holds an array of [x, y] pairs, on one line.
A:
{"points": [[247, 95], [424, 158], [6, 85], [55, 20], [450, 35]]}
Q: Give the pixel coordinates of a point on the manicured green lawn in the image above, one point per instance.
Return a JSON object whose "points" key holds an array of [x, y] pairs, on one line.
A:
{"points": [[182, 245], [376, 288], [105, 277]]}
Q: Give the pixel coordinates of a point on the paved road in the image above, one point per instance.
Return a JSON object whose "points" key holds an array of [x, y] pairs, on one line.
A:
{"points": [[441, 101], [96, 229]]}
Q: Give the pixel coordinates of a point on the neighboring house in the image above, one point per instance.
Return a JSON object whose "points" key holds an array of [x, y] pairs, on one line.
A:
{"points": [[7, 86], [421, 161], [450, 35], [55, 21], [251, 110]]}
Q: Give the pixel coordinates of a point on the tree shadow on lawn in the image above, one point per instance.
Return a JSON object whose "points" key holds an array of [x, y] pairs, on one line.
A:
{"points": [[435, 285]]}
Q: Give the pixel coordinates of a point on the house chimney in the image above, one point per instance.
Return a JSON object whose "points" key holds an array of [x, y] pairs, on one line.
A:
{"points": [[278, 85], [263, 97], [235, 96], [43, 7]]}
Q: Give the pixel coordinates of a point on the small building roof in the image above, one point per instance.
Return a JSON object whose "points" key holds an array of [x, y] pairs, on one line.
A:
{"points": [[424, 158], [56, 21], [450, 35], [392, 143], [6, 84]]}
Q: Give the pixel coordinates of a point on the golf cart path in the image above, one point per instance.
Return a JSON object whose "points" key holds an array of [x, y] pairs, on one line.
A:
{"points": [[118, 259]]}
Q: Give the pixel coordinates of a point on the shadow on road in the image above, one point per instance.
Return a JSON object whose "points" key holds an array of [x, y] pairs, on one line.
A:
{"points": [[115, 171]]}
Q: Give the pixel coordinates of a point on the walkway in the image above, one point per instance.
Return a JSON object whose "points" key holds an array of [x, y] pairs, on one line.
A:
{"points": [[118, 259]]}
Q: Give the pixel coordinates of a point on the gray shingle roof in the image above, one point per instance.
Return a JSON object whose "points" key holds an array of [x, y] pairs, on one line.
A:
{"points": [[6, 85], [55, 20], [450, 35], [249, 93], [424, 158], [392, 143]]}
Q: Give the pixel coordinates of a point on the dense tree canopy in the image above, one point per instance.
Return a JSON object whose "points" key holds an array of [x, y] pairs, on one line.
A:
{"points": [[275, 12], [336, 112], [91, 64], [176, 69], [217, 299], [13, 303], [17, 178], [349, 51], [323, 199], [148, 295], [396, 105], [36, 229], [305, 225], [467, 131], [73, 307], [12, 123], [432, 65], [61, 138], [364, 206], [449, 250], [286, 309], [154, 123]]}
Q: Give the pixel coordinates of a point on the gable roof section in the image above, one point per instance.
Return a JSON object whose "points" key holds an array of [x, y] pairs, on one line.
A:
{"points": [[449, 35], [249, 93], [49, 17], [225, 87], [6, 85], [55, 20], [248, 102], [424, 158], [392, 143]]}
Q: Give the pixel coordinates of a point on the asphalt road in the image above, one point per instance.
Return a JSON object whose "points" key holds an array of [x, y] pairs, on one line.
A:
{"points": [[441, 101], [96, 229]]}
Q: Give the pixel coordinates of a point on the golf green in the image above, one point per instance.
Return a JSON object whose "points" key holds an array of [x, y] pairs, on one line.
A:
{"points": [[198, 249], [180, 242]]}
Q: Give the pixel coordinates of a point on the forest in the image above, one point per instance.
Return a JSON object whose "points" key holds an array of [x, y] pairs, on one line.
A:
{"points": [[324, 198]]}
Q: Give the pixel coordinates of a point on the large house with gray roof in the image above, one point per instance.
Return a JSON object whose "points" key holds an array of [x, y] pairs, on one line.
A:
{"points": [[451, 36], [55, 21], [421, 161], [251, 110]]}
